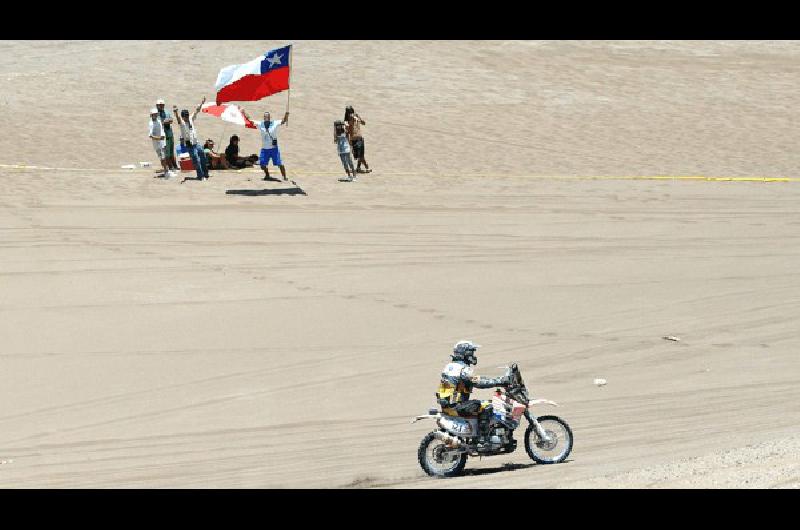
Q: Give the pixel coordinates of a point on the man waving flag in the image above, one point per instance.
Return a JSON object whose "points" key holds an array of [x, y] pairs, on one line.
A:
{"points": [[257, 79]]}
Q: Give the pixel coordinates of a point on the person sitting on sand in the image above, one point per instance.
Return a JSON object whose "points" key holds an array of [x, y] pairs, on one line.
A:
{"points": [[158, 137], [233, 158], [354, 123], [215, 160]]}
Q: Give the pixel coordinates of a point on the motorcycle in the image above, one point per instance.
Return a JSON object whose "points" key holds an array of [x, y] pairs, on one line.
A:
{"points": [[444, 452]]}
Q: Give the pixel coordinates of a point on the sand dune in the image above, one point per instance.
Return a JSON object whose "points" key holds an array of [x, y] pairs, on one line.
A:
{"points": [[158, 334]]}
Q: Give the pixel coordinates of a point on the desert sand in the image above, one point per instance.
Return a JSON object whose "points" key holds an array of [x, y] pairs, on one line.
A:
{"points": [[205, 335]]}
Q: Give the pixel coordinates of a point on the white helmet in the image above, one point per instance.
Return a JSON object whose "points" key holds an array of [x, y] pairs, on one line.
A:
{"points": [[464, 350]]}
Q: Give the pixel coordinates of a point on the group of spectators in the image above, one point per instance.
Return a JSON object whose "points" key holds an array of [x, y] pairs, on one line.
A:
{"points": [[347, 136], [203, 157]]}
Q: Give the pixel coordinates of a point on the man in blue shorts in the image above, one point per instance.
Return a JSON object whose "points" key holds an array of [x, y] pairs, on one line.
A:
{"points": [[269, 147]]}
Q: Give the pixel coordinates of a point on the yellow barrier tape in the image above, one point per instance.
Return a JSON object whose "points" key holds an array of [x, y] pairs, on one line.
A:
{"points": [[310, 173]]}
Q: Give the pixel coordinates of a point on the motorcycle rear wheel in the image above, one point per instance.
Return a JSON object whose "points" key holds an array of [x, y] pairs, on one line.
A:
{"points": [[432, 463], [559, 447]]}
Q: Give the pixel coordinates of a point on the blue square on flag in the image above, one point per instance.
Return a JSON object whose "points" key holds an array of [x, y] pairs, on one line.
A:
{"points": [[275, 59]]}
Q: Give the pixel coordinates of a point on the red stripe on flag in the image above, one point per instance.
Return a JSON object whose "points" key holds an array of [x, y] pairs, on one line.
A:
{"points": [[255, 87]]}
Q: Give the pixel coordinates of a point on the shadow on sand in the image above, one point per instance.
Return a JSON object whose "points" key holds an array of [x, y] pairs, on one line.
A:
{"points": [[490, 470], [505, 467], [297, 190]]}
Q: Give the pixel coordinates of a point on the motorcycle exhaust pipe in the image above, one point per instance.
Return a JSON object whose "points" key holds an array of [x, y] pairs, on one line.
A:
{"points": [[451, 441]]}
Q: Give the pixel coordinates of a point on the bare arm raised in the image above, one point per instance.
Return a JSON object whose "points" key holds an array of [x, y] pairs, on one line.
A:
{"points": [[175, 111], [197, 110]]}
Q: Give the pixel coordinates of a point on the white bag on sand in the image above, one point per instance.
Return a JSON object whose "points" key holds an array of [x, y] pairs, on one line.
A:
{"points": [[600, 382], [129, 166]]}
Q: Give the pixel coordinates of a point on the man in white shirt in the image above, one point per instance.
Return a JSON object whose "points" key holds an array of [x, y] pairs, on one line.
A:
{"points": [[158, 137], [189, 138], [166, 120], [269, 147]]}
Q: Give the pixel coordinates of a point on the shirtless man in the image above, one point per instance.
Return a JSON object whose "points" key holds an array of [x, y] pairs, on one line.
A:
{"points": [[354, 123]]}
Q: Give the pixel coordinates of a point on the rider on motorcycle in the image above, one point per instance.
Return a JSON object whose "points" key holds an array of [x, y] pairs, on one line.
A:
{"points": [[457, 383]]}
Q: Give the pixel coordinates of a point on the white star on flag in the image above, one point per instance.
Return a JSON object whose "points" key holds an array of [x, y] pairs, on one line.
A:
{"points": [[275, 59]]}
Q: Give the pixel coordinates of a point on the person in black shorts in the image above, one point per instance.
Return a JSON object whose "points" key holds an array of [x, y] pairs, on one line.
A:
{"points": [[354, 123]]}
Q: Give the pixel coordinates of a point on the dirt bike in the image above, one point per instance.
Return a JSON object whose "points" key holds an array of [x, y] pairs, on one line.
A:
{"points": [[444, 452]]}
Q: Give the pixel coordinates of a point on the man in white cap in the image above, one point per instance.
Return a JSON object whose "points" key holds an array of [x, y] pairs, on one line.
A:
{"points": [[166, 119], [158, 138]]}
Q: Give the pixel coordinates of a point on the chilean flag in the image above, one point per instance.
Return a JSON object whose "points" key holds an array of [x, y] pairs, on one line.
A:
{"points": [[231, 113], [259, 78]]}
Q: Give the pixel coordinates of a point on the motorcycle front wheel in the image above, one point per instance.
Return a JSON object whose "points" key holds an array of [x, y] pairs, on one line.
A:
{"points": [[558, 447], [437, 461]]}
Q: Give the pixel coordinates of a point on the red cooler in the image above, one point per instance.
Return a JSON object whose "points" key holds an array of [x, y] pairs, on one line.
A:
{"points": [[185, 162]]}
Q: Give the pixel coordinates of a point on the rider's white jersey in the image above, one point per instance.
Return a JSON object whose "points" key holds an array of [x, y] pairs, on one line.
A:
{"points": [[455, 372]]}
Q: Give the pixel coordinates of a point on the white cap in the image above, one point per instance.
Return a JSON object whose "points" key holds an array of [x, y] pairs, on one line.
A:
{"points": [[160, 102], [153, 111]]}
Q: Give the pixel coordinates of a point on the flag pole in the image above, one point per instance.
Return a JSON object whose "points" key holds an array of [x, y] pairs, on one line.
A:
{"points": [[289, 90]]}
